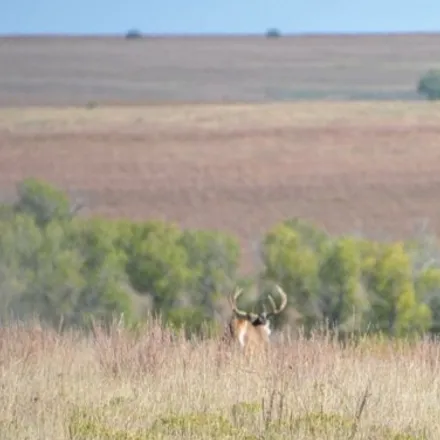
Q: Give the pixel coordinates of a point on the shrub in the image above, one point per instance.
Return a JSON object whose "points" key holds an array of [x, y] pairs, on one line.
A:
{"points": [[66, 268], [429, 85], [43, 201], [133, 34], [273, 33]]}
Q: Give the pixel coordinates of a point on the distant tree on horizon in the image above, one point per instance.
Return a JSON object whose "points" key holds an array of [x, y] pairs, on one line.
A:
{"points": [[273, 33], [133, 34], [429, 85]]}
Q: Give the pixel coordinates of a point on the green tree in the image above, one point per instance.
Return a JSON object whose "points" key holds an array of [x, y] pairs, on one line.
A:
{"points": [[43, 201], [427, 287], [54, 273], [54, 280], [273, 33], [429, 85], [213, 260], [157, 262], [107, 291], [310, 234], [292, 262], [342, 299], [20, 239], [395, 308]]}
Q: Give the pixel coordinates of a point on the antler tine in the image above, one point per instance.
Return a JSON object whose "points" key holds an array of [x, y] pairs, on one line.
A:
{"points": [[233, 302], [275, 310], [284, 298], [272, 303], [237, 293]]}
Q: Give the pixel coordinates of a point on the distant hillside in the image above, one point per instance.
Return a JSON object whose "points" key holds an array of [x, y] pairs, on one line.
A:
{"points": [[93, 70]]}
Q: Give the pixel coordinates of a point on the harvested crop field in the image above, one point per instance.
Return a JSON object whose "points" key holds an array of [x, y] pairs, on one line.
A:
{"points": [[371, 168]]}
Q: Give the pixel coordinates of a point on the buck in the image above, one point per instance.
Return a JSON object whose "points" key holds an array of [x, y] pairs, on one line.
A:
{"points": [[252, 330]]}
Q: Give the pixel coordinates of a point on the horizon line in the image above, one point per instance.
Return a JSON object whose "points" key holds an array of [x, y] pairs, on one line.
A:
{"points": [[213, 34]]}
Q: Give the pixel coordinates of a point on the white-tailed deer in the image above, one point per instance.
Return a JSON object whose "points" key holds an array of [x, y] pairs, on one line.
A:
{"points": [[252, 330]]}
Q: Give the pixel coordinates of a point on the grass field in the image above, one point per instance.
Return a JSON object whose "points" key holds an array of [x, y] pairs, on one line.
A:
{"points": [[77, 71], [370, 168], [119, 386]]}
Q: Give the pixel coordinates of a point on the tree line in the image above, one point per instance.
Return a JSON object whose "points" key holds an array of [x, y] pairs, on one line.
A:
{"points": [[62, 267]]}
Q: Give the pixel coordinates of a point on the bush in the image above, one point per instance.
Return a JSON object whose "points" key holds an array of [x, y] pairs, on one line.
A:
{"points": [[133, 34], [61, 267], [66, 268], [349, 283], [429, 85], [41, 200], [273, 33]]}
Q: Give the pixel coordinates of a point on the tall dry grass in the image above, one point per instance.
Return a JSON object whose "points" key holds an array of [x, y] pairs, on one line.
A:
{"points": [[121, 385]]}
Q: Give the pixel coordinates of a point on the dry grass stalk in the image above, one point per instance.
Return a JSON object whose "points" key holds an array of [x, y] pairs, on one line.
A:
{"points": [[117, 384]]}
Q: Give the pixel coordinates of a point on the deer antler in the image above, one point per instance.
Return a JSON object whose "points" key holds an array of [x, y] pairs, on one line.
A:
{"points": [[236, 310], [275, 310]]}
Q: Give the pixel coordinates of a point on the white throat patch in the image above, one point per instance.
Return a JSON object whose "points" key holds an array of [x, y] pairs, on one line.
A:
{"points": [[241, 336]]}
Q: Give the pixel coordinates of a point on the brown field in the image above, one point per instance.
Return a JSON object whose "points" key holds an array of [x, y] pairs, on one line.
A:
{"points": [[370, 168], [123, 387], [76, 71]]}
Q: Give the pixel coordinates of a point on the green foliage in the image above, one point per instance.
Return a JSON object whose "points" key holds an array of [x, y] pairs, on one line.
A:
{"points": [[341, 297], [318, 425], [290, 259], [85, 425], [157, 262], [427, 286], [213, 259], [58, 267], [47, 272], [394, 305], [349, 283], [190, 319], [247, 414], [245, 423], [381, 432], [43, 201], [107, 289], [204, 425], [64, 268], [429, 85]]}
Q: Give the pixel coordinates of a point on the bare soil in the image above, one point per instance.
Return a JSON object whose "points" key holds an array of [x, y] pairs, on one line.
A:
{"points": [[370, 168]]}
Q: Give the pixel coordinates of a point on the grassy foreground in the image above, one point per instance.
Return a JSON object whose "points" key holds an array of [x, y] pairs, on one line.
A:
{"points": [[120, 386]]}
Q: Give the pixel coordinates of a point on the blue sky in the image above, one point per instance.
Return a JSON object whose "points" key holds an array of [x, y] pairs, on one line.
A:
{"points": [[218, 16]]}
